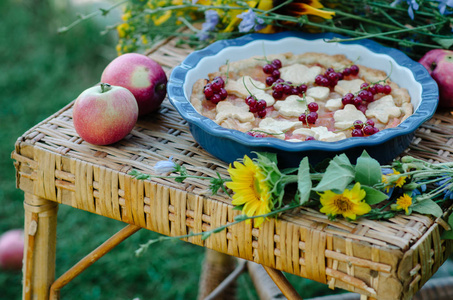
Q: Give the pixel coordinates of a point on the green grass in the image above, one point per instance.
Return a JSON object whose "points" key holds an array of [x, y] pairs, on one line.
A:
{"points": [[40, 73]]}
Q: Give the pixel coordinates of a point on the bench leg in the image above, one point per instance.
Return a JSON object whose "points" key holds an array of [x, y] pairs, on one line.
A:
{"points": [[40, 231]]}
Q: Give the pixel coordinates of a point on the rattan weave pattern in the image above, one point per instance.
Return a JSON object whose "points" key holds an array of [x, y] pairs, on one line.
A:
{"points": [[381, 259]]}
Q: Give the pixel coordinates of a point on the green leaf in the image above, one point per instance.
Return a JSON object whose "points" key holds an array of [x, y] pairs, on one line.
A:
{"points": [[367, 170], [339, 174], [448, 234], [373, 196], [267, 157], [427, 207], [304, 183], [445, 43]]}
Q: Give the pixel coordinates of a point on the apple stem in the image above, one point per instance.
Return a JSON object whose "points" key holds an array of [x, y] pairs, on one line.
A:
{"points": [[105, 87], [161, 87]]}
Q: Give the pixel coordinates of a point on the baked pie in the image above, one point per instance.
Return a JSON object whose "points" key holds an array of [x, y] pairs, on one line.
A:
{"points": [[299, 97]]}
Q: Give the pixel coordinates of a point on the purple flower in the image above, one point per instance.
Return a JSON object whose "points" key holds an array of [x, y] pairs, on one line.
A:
{"points": [[212, 19], [250, 21], [413, 5], [443, 6], [165, 166]]}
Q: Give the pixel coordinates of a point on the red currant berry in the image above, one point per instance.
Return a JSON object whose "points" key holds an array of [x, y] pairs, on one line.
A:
{"points": [[294, 91], [217, 84], [310, 138], [346, 72], [348, 99], [208, 92], [357, 101], [358, 124], [277, 63], [215, 98], [261, 113], [223, 93], [312, 117], [287, 89], [254, 107], [373, 90], [219, 80], [279, 80], [357, 132], [251, 100], [278, 87], [303, 118], [268, 69], [302, 88], [319, 79], [270, 80], [364, 86], [277, 95], [387, 89], [329, 71], [276, 74], [364, 95], [379, 88], [333, 76], [376, 130], [313, 106], [261, 105], [354, 70], [370, 122], [368, 130], [325, 81]]}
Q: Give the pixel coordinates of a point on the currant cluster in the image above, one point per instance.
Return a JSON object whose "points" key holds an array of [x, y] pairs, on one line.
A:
{"points": [[364, 129], [215, 90], [365, 95], [272, 70], [256, 106], [311, 115], [281, 88], [331, 77]]}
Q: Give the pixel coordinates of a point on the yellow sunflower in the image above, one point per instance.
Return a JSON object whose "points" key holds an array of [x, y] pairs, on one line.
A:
{"points": [[250, 189], [403, 202], [350, 203], [387, 180]]}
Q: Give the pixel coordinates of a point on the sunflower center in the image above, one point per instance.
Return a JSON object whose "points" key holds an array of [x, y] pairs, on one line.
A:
{"points": [[342, 203], [256, 187]]}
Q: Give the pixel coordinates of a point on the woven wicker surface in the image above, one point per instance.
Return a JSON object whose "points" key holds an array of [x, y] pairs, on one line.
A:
{"points": [[386, 259]]}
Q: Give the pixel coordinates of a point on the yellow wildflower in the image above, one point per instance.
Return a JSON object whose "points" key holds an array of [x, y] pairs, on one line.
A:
{"points": [[126, 16], [123, 29], [399, 182], [350, 203], [250, 189], [304, 7], [403, 202]]}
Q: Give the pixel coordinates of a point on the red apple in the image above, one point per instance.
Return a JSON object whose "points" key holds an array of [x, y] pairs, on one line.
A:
{"points": [[141, 75], [439, 63], [12, 249], [104, 114]]}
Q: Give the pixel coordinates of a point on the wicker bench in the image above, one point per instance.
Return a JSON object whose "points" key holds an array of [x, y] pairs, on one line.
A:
{"points": [[378, 259]]}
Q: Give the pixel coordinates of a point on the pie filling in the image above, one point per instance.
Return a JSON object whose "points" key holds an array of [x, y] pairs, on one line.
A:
{"points": [[310, 96]]}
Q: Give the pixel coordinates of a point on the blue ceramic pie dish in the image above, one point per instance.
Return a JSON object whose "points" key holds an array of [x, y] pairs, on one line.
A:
{"points": [[228, 145]]}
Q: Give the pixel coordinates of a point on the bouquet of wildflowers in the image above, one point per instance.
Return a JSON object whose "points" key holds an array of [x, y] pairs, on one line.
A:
{"points": [[413, 26], [337, 188]]}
